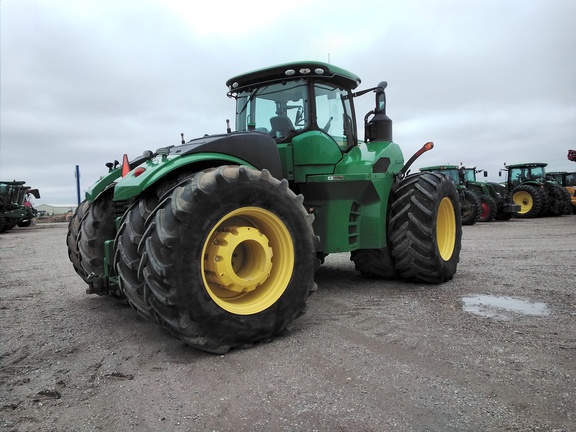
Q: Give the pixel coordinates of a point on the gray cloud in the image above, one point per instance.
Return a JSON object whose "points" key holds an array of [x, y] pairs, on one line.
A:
{"points": [[84, 82]]}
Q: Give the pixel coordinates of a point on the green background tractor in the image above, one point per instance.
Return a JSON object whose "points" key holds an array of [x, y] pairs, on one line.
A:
{"points": [[218, 238], [537, 196], [496, 202], [470, 202], [15, 208]]}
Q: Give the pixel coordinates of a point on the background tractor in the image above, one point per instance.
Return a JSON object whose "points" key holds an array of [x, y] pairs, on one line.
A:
{"points": [[218, 239], [15, 206], [568, 181], [496, 202], [470, 202], [537, 196]]}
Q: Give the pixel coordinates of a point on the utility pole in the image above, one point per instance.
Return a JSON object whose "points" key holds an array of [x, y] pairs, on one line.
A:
{"points": [[78, 183]]}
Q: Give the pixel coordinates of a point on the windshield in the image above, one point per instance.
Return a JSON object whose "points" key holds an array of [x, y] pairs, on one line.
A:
{"points": [[469, 174], [452, 174], [519, 175], [284, 109], [278, 109]]}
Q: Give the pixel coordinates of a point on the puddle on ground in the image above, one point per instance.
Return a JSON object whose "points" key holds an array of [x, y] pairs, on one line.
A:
{"points": [[501, 307]]}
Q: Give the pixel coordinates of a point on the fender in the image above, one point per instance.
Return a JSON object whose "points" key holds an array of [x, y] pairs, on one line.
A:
{"points": [[135, 183], [96, 189], [114, 174], [535, 183], [252, 149]]}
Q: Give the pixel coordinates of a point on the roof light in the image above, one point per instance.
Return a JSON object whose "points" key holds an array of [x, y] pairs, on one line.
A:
{"points": [[304, 71], [319, 71], [289, 72]]}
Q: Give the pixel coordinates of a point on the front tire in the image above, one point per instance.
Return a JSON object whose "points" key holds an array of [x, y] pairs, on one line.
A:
{"points": [[425, 228], [229, 258], [72, 237], [126, 255], [489, 209], [97, 226], [471, 207]]}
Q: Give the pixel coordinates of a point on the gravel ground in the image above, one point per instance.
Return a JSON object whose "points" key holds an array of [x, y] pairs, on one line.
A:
{"points": [[492, 350]]}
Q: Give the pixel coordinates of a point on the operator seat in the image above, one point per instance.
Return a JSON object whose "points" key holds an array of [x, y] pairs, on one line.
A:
{"points": [[281, 126]]}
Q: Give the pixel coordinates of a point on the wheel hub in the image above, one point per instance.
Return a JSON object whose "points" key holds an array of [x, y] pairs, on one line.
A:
{"points": [[524, 199], [238, 259]]}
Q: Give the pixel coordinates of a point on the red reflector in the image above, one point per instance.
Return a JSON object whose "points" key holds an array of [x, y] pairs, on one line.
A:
{"points": [[125, 166], [139, 171]]}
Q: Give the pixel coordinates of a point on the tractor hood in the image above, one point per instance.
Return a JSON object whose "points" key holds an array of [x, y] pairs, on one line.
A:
{"points": [[254, 147]]}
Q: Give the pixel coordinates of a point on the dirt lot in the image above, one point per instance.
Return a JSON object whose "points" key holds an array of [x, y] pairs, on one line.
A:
{"points": [[492, 350]]}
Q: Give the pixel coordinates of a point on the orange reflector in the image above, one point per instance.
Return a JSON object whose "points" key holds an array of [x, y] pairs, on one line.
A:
{"points": [[139, 171], [429, 146], [125, 166]]}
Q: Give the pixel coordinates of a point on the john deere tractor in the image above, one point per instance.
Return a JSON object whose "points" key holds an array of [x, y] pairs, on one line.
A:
{"points": [[496, 202], [470, 202], [568, 181], [536, 195], [15, 207], [218, 238]]}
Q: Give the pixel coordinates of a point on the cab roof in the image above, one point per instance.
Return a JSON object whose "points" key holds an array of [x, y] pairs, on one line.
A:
{"points": [[527, 165], [290, 71]]}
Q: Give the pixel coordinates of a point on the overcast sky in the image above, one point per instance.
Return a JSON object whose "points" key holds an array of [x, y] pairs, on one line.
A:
{"points": [[83, 81]]}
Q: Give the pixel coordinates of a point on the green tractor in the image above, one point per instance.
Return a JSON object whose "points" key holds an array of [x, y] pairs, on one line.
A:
{"points": [[218, 238], [568, 181], [537, 196], [15, 206], [470, 202], [496, 202]]}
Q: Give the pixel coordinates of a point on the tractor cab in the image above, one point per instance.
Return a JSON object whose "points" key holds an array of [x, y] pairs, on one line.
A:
{"points": [[522, 173], [295, 99]]}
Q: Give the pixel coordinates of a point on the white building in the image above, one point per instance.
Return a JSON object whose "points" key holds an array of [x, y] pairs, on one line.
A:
{"points": [[56, 209]]}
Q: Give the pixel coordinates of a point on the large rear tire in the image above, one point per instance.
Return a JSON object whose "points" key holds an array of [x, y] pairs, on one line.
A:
{"points": [[529, 199], [229, 258], [560, 203], [425, 228]]}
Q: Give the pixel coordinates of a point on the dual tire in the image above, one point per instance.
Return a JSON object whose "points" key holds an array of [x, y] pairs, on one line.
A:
{"points": [[424, 232], [226, 259]]}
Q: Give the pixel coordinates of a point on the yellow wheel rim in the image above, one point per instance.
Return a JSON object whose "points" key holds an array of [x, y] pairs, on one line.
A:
{"points": [[248, 261], [524, 200], [446, 229]]}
